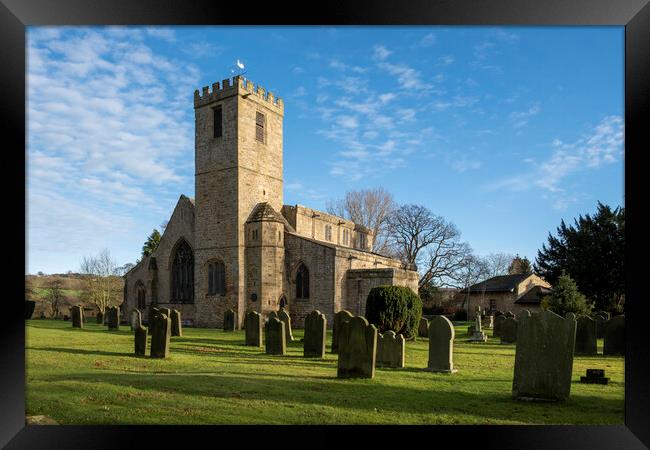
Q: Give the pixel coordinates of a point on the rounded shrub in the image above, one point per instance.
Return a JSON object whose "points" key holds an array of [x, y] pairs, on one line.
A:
{"points": [[395, 308]]}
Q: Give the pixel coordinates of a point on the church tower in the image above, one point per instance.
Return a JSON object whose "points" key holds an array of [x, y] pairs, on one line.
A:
{"points": [[238, 164]]}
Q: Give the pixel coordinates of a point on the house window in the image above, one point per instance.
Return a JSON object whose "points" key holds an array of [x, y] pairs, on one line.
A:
{"points": [[217, 120], [302, 282], [362, 240], [216, 278], [182, 285], [328, 232], [259, 126], [493, 305]]}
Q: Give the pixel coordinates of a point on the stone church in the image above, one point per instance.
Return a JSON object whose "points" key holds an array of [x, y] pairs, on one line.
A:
{"points": [[237, 245]]}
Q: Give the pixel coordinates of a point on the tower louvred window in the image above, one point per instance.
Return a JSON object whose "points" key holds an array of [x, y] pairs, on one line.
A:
{"points": [[259, 126]]}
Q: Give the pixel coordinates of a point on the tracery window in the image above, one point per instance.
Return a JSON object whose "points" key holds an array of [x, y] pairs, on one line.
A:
{"points": [[141, 293], [182, 285], [302, 282], [216, 278]]}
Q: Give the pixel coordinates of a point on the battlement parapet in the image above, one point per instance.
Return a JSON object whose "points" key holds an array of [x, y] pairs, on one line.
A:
{"points": [[237, 85]]}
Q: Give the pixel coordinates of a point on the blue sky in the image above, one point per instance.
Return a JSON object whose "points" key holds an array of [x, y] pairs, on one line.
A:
{"points": [[503, 131]]}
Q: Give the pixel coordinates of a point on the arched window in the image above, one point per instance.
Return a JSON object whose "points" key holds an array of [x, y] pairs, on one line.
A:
{"points": [[141, 294], [302, 282], [182, 285], [216, 278]]}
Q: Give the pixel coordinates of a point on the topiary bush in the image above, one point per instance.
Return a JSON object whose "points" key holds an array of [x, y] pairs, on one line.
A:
{"points": [[395, 308]]}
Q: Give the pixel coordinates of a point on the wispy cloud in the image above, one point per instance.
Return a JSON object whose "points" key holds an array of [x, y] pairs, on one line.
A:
{"points": [[381, 52], [519, 119]]}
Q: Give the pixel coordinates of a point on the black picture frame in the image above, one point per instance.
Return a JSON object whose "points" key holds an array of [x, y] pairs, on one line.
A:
{"points": [[634, 15]]}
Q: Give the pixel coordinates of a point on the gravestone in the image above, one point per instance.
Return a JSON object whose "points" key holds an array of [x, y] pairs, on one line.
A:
{"points": [[543, 357], [614, 336], [586, 336], [275, 337], [595, 376], [177, 327], [229, 320], [253, 326], [357, 349], [441, 345], [487, 321], [498, 322], [136, 319], [166, 311], [477, 334], [141, 341], [508, 333], [390, 350], [77, 313], [339, 318], [100, 317], [153, 312], [315, 333], [113, 318], [498, 313], [509, 314], [161, 336], [601, 320], [284, 317], [423, 328]]}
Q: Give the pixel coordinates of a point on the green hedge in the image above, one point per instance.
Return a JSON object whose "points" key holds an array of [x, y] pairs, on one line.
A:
{"points": [[395, 308]]}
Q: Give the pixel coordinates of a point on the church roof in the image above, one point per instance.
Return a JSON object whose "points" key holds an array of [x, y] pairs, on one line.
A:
{"points": [[263, 212], [502, 283]]}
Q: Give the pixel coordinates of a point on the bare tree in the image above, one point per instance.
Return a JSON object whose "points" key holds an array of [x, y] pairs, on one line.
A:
{"points": [[102, 285], [54, 296], [498, 263], [432, 243], [369, 208], [474, 269]]}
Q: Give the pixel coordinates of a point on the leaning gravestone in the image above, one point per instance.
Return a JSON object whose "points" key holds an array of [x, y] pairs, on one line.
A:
{"points": [[77, 313], [423, 328], [614, 336], [253, 327], [177, 327], [543, 357], [357, 348], [275, 337], [114, 318], [339, 318], [136, 319], [390, 350], [161, 336], [441, 345], [315, 332], [498, 322], [284, 317], [586, 336], [229, 320], [508, 330], [140, 341]]}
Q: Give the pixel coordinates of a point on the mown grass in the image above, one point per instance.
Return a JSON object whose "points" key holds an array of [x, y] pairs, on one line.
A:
{"points": [[91, 376]]}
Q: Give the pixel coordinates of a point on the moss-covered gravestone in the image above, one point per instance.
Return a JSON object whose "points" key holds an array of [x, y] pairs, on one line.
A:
{"points": [[275, 337], [100, 317], [586, 343], [498, 321], [77, 313], [543, 357], [161, 336], [614, 336], [357, 349], [113, 318], [140, 341], [339, 318], [177, 327], [229, 320], [423, 328], [390, 350], [441, 345], [508, 330], [253, 326], [315, 332], [284, 317], [136, 319]]}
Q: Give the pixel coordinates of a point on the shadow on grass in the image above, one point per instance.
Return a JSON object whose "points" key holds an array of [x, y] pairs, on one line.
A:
{"points": [[76, 351]]}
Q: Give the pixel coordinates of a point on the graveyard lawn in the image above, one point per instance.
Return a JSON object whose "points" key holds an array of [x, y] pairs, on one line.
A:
{"points": [[91, 376]]}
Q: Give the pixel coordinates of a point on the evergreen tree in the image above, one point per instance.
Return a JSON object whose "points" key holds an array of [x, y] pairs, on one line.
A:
{"points": [[592, 253], [152, 243], [520, 265], [565, 298]]}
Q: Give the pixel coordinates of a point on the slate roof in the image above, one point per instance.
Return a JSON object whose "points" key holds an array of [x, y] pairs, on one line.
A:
{"points": [[263, 212], [501, 283], [533, 295]]}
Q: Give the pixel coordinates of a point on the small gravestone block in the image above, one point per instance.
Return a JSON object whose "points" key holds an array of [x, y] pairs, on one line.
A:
{"points": [[508, 330], [543, 357], [498, 322], [284, 317], [229, 320], [275, 337], [77, 313], [161, 336], [339, 318], [140, 341], [357, 349], [390, 350], [595, 376], [100, 318], [253, 326], [136, 319], [423, 328], [177, 327], [614, 336], [586, 343], [113, 318], [315, 333], [441, 345]]}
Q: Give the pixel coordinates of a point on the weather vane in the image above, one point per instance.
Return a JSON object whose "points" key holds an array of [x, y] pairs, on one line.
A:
{"points": [[238, 69]]}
